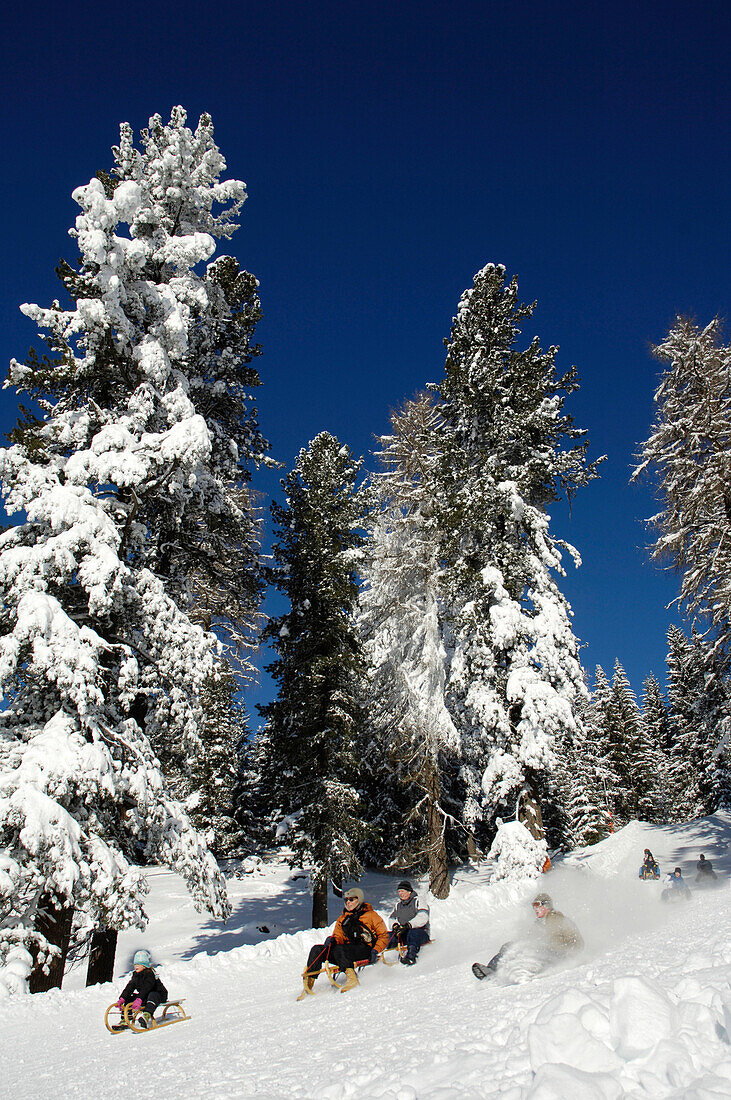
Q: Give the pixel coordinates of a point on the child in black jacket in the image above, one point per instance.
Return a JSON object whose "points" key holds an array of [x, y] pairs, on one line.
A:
{"points": [[144, 988]]}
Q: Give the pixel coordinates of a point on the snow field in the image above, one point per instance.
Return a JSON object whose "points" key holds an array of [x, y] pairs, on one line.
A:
{"points": [[645, 1012]]}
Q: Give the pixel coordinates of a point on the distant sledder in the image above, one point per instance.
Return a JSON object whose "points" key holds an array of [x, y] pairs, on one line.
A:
{"points": [[649, 868], [517, 960], [675, 888], [705, 877], [359, 937], [140, 999]]}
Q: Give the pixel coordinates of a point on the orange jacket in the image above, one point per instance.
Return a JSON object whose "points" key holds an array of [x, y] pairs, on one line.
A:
{"points": [[369, 918]]}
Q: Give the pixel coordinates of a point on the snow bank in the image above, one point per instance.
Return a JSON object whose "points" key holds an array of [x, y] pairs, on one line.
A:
{"points": [[517, 854]]}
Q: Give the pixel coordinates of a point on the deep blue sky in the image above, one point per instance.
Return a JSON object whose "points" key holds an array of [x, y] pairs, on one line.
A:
{"points": [[390, 151]]}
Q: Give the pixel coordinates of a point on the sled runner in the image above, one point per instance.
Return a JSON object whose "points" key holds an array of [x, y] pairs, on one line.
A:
{"points": [[123, 1019], [334, 972], [397, 953]]}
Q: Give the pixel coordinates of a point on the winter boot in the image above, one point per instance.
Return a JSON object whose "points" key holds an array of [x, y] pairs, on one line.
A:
{"points": [[351, 980], [481, 971], [408, 959], [145, 1020], [308, 981]]}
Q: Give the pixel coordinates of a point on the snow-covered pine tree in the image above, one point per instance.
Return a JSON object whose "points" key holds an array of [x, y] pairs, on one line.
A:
{"points": [[509, 451], [215, 775], [627, 750], [314, 725], [255, 815], [402, 629], [700, 720], [582, 778], [689, 450], [656, 724], [127, 479]]}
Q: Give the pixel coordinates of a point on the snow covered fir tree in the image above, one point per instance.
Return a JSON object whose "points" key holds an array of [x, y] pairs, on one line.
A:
{"points": [[578, 811], [126, 477], [687, 455], [508, 450], [314, 727], [416, 744], [699, 716], [687, 452], [475, 667], [216, 779]]}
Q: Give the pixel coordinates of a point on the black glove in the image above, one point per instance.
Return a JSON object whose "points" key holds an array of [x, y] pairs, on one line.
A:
{"points": [[396, 927], [374, 956], [405, 927]]}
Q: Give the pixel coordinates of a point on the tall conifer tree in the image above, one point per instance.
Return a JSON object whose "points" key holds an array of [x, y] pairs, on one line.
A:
{"points": [[509, 451], [314, 725], [628, 750], [700, 720], [584, 776], [688, 450], [215, 776], [402, 625], [656, 723], [127, 478]]}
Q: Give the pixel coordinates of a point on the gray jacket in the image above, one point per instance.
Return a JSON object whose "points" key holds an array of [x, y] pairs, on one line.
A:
{"points": [[411, 912]]}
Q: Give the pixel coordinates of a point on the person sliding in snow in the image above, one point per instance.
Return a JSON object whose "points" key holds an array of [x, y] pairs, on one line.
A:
{"points": [[410, 923], [561, 939], [359, 935], [649, 868], [148, 988], [705, 876], [675, 887]]}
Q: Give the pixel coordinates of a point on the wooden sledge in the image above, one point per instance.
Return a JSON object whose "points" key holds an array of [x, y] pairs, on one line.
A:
{"points": [[335, 974], [122, 1019]]}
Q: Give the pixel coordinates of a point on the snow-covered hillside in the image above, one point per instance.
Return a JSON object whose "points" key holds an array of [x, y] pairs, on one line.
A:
{"points": [[645, 1012]]}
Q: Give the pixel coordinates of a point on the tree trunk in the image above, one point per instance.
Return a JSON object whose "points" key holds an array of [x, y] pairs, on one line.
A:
{"points": [[438, 866], [101, 957], [472, 850], [529, 809], [53, 922], [319, 904]]}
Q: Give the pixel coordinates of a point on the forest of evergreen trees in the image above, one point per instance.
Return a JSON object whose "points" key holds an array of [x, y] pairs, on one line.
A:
{"points": [[428, 681]]}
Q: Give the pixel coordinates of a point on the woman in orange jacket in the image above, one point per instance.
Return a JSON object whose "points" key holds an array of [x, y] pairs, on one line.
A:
{"points": [[359, 935]]}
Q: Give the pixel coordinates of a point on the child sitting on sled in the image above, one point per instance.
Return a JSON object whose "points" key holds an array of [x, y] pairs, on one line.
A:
{"points": [[144, 988]]}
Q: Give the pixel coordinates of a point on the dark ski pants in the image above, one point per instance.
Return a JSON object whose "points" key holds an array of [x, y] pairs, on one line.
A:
{"points": [[415, 939], [495, 960], [153, 1001], [341, 954]]}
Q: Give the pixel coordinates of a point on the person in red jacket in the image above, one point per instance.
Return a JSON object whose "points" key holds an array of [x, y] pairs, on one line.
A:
{"points": [[359, 935]]}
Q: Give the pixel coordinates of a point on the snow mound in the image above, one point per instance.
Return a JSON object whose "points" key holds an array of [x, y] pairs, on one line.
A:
{"points": [[619, 854]]}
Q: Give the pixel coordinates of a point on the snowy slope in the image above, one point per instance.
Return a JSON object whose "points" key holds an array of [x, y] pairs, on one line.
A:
{"points": [[646, 1011]]}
